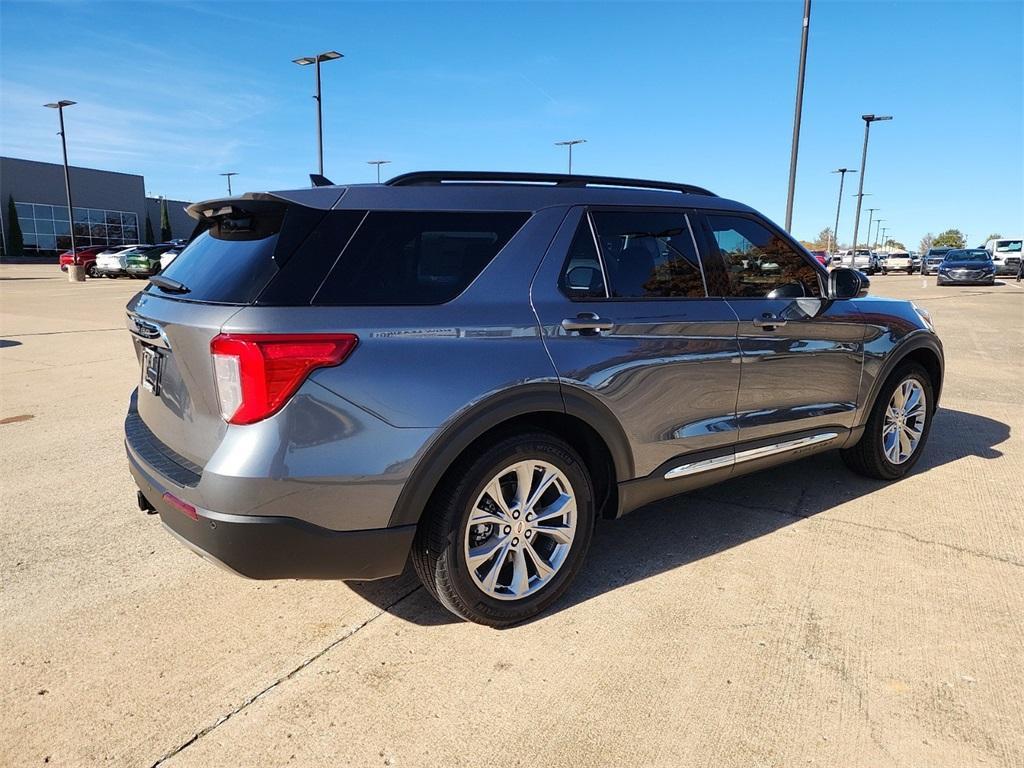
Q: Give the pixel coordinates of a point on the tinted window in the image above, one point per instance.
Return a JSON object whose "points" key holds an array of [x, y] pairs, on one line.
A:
{"points": [[408, 258], [227, 271], [1008, 246], [759, 263], [582, 277], [649, 255]]}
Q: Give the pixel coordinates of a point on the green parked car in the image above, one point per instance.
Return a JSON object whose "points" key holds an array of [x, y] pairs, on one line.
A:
{"points": [[143, 262]]}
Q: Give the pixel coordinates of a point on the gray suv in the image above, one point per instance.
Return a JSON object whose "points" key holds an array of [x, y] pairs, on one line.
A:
{"points": [[468, 370]]}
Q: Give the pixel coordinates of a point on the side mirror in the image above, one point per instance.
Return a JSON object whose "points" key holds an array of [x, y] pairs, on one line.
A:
{"points": [[846, 283]]}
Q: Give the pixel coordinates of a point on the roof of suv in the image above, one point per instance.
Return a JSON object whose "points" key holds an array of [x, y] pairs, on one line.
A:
{"points": [[476, 190]]}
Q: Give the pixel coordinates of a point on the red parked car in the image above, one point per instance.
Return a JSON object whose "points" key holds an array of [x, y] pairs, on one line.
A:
{"points": [[84, 256], [821, 256]]}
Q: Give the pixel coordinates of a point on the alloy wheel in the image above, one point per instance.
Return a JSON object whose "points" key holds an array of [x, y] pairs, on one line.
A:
{"points": [[520, 530], [904, 421]]}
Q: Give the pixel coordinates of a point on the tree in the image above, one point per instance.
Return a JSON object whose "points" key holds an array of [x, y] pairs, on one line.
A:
{"points": [[15, 240], [826, 239], [993, 236], [951, 238], [149, 230], [926, 243], [894, 245], [165, 221]]}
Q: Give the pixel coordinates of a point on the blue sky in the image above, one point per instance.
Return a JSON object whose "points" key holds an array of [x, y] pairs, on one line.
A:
{"points": [[698, 92]]}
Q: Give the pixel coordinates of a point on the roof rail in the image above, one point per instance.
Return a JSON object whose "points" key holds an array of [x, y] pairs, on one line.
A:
{"points": [[557, 179]]}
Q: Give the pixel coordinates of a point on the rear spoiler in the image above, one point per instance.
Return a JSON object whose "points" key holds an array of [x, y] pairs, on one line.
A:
{"points": [[319, 198]]}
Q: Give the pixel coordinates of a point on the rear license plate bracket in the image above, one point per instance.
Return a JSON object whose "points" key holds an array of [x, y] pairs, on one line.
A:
{"points": [[152, 365]]}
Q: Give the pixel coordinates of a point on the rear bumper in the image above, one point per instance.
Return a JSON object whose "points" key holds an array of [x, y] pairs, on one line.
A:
{"points": [[261, 547]]}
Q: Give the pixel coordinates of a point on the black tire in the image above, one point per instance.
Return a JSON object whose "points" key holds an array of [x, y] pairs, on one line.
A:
{"points": [[91, 272], [868, 457], [438, 553]]}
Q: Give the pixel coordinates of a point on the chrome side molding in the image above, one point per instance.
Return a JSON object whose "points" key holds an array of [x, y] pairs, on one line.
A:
{"points": [[750, 454]]}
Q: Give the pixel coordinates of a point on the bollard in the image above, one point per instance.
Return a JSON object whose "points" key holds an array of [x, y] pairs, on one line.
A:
{"points": [[76, 273]]}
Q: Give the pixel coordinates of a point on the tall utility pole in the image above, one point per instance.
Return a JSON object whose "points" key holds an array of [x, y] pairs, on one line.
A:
{"points": [[797, 113], [229, 174], [868, 120], [878, 231], [884, 230], [378, 163], [305, 61], [59, 106], [570, 144], [835, 230], [871, 213]]}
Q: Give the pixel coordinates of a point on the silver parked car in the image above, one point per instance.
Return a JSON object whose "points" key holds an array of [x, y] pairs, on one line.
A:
{"points": [[470, 369]]}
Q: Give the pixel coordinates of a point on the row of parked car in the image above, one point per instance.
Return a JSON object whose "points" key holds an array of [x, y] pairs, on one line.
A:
{"points": [[998, 257], [134, 260]]}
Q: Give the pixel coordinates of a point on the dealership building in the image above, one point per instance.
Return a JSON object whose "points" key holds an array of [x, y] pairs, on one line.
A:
{"points": [[110, 208]]}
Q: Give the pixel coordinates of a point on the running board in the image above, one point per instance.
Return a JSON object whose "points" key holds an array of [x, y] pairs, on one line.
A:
{"points": [[720, 462]]}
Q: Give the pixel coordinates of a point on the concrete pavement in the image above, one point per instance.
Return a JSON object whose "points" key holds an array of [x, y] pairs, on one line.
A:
{"points": [[803, 616]]}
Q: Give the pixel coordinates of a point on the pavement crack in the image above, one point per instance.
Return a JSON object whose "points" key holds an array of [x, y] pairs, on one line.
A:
{"points": [[253, 699]]}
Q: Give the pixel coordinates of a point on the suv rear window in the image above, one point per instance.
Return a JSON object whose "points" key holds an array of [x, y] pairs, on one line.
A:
{"points": [[416, 258], [223, 271]]}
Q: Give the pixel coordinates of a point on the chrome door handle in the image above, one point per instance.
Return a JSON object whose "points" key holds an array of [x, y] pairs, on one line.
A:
{"points": [[769, 322], [587, 323]]}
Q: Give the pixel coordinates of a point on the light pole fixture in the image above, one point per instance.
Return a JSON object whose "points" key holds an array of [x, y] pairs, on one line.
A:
{"points": [[835, 230], [378, 163], [882, 243], [871, 214], [305, 61], [796, 115], [878, 232], [570, 144], [59, 106], [229, 174], [868, 120]]}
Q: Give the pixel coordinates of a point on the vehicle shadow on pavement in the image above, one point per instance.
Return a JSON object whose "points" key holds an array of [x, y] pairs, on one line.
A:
{"points": [[690, 527]]}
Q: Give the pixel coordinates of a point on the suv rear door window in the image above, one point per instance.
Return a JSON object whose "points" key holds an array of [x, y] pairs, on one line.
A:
{"points": [[649, 254], [760, 263], [416, 258]]}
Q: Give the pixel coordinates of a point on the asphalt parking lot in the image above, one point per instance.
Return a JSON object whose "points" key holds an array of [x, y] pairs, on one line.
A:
{"points": [[803, 616]]}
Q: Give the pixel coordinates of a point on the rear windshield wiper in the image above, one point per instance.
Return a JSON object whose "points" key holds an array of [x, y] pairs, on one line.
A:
{"points": [[168, 284]]}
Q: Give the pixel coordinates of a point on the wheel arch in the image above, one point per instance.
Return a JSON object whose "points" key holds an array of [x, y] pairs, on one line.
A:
{"points": [[583, 422], [922, 348]]}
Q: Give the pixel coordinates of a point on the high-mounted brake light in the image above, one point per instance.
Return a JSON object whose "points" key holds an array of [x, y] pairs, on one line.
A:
{"points": [[257, 373]]}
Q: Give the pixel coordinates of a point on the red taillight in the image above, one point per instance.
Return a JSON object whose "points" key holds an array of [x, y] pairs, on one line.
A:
{"points": [[257, 373], [182, 506]]}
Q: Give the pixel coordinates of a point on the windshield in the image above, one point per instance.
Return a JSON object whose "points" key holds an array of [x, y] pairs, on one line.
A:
{"points": [[1008, 246], [972, 255]]}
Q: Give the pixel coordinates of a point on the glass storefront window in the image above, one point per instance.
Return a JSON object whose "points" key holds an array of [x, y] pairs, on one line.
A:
{"points": [[46, 229]]}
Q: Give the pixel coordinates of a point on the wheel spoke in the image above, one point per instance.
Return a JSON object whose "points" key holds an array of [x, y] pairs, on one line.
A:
{"points": [[481, 516], [905, 446], [493, 490], [524, 481], [491, 581], [479, 555], [913, 400], [545, 483], [557, 508], [520, 574], [559, 533], [543, 569]]}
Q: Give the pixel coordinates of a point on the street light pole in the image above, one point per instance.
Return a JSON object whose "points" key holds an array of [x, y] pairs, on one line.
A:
{"points": [[868, 120], [570, 143], [306, 61], [871, 213], [229, 174], [878, 231], [59, 106], [835, 230], [797, 113], [378, 163]]}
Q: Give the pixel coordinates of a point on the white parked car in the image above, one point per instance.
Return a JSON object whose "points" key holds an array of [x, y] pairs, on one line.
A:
{"points": [[168, 256], [898, 261], [111, 263], [1005, 253], [865, 260]]}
